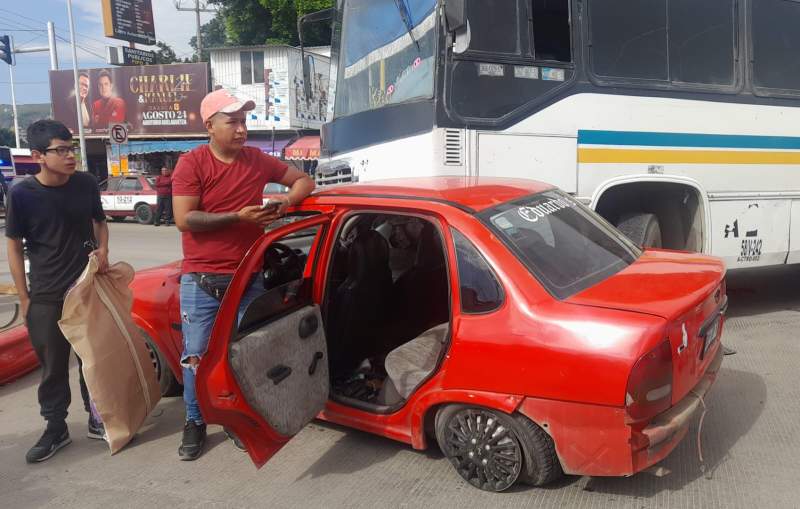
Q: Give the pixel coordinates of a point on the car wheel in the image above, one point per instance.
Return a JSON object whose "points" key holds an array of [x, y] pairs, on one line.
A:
{"points": [[166, 378], [542, 465], [643, 229], [144, 214], [483, 445]]}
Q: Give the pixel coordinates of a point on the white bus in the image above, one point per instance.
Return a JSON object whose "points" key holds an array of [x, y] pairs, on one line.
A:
{"points": [[677, 120]]}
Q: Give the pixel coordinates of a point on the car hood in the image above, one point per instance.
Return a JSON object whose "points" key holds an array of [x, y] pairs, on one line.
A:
{"points": [[660, 282]]}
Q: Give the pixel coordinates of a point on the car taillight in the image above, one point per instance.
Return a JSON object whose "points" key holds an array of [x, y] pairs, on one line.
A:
{"points": [[649, 390]]}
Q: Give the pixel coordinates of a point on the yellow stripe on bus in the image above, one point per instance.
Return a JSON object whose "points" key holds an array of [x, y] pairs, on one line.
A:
{"points": [[613, 155]]}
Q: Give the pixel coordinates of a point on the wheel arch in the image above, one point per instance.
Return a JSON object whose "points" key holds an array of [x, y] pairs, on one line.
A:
{"points": [[153, 335], [631, 189]]}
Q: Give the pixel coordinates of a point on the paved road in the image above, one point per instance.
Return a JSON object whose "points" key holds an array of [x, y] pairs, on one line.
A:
{"points": [[750, 439]]}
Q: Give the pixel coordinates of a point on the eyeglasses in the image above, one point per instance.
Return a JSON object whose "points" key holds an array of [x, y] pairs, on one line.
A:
{"points": [[63, 151]]}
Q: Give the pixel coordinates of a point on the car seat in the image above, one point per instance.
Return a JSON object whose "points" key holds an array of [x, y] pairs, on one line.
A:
{"points": [[411, 363]]}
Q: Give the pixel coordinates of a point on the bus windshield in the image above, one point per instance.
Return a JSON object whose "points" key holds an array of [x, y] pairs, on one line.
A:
{"points": [[386, 53]]}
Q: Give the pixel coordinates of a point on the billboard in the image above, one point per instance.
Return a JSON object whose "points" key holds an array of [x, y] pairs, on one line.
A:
{"points": [[129, 20], [151, 99]]}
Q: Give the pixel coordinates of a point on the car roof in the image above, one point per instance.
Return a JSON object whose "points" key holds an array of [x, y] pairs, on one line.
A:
{"points": [[472, 193]]}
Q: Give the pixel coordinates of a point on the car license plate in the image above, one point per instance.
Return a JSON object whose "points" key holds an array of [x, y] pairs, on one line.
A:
{"points": [[711, 334]]}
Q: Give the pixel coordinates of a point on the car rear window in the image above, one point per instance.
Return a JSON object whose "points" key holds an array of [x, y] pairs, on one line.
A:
{"points": [[566, 246]]}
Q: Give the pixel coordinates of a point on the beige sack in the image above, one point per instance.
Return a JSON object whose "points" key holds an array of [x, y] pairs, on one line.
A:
{"points": [[96, 320]]}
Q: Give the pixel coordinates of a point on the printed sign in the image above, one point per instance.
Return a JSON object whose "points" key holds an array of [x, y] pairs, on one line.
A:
{"points": [[153, 99], [129, 20]]}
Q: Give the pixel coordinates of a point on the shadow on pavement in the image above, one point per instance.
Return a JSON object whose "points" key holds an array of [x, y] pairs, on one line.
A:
{"points": [[735, 404], [762, 290]]}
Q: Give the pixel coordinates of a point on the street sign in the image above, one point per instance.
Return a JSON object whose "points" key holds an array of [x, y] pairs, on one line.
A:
{"points": [[129, 20], [130, 56], [118, 133]]}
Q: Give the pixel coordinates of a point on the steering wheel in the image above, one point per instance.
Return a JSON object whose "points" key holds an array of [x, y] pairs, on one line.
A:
{"points": [[281, 265]]}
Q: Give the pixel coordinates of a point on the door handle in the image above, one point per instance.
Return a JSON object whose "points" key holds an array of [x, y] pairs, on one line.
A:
{"points": [[317, 357], [279, 373]]}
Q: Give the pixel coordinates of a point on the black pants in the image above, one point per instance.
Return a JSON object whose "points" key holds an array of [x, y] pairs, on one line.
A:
{"points": [[53, 351], [163, 204]]}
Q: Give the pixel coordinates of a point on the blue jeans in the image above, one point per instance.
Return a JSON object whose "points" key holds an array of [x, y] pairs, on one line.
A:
{"points": [[198, 312]]}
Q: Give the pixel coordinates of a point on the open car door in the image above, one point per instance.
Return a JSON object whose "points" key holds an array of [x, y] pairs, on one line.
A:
{"points": [[265, 376]]}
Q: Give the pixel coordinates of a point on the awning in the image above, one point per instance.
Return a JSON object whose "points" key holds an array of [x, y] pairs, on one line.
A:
{"points": [[304, 149], [150, 146], [267, 146]]}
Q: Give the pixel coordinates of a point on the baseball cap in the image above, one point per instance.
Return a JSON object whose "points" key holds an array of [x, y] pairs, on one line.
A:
{"points": [[222, 101]]}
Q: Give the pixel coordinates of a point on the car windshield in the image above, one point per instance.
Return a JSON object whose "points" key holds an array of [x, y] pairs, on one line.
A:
{"points": [[566, 246]]}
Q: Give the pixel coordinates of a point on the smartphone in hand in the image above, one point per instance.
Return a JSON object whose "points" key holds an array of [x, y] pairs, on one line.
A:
{"points": [[271, 205]]}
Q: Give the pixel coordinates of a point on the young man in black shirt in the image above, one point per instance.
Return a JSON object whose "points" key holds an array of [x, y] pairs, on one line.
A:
{"points": [[59, 216]]}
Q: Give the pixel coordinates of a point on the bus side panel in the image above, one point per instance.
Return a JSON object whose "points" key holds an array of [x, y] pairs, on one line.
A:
{"points": [[551, 159], [750, 233], [794, 234]]}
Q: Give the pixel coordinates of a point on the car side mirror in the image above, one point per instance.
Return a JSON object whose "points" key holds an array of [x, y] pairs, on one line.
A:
{"points": [[455, 14]]}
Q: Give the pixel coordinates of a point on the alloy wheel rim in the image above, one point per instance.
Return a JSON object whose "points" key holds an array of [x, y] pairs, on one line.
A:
{"points": [[484, 451]]}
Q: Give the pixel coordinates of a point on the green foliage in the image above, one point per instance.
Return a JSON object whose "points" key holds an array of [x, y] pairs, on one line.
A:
{"points": [[165, 54], [7, 138]]}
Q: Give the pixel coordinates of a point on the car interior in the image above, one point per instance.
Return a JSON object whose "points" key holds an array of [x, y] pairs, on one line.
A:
{"points": [[386, 309]]}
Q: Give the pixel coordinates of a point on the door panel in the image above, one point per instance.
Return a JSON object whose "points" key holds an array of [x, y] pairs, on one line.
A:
{"points": [[282, 369]]}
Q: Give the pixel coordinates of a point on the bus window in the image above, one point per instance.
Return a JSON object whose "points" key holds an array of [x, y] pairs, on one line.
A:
{"points": [[485, 18], [551, 30], [678, 41], [776, 39]]}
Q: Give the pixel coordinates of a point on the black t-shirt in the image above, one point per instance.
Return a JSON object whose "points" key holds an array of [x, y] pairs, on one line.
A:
{"points": [[56, 223]]}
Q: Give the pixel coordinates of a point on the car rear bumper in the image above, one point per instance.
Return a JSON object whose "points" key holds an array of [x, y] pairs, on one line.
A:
{"points": [[597, 440]]}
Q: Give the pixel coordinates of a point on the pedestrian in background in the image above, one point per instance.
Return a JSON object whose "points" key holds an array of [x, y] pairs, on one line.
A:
{"points": [[217, 197], [164, 196], [59, 216]]}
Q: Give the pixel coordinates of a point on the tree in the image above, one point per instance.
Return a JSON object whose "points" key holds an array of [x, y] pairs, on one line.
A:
{"points": [[165, 54], [284, 21], [212, 34], [7, 138]]}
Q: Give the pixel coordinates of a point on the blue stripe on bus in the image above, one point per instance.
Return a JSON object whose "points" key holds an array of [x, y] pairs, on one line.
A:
{"points": [[648, 139]]}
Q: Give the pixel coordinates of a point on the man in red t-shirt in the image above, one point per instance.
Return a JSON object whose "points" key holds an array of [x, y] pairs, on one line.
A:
{"points": [[163, 196], [217, 201]]}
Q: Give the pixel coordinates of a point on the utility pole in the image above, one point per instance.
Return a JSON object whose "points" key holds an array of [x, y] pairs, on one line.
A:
{"points": [[197, 10], [81, 134]]}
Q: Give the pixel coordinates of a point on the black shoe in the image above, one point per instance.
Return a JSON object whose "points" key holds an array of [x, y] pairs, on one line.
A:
{"points": [[194, 437], [157, 224], [236, 442], [54, 438], [96, 429]]}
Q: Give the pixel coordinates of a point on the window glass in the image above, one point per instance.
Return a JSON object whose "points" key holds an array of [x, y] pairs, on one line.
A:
{"points": [[384, 64], [566, 246], [245, 58], [130, 184], [551, 30], [113, 184], [701, 41], [494, 26], [480, 290], [258, 67], [629, 39], [776, 44]]}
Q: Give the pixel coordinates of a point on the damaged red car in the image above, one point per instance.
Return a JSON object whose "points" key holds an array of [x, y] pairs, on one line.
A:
{"points": [[499, 318]]}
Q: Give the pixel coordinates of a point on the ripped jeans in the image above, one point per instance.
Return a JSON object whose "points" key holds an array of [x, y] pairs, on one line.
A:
{"points": [[198, 312]]}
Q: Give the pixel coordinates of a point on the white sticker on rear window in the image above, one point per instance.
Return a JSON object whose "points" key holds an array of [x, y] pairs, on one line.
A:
{"points": [[491, 69], [544, 209]]}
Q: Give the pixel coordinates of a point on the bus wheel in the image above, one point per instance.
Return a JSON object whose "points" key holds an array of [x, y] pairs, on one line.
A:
{"points": [[642, 228], [144, 214]]}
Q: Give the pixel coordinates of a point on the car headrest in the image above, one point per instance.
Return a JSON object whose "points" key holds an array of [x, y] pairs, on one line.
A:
{"points": [[368, 255], [429, 249]]}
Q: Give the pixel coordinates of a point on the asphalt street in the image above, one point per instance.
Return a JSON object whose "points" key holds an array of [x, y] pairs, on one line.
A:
{"points": [[750, 437]]}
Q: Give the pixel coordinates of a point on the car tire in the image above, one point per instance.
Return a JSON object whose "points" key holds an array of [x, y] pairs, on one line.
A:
{"points": [[167, 381], [642, 228], [468, 437], [542, 465], [144, 214]]}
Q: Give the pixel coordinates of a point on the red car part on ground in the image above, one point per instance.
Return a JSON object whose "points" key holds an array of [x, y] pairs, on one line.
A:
{"points": [[17, 357], [596, 374]]}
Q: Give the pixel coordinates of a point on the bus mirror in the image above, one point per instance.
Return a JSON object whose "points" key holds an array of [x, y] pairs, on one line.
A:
{"points": [[454, 13], [308, 64]]}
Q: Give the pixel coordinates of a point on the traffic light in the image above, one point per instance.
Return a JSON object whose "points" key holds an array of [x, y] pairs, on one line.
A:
{"points": [[6, 50]]}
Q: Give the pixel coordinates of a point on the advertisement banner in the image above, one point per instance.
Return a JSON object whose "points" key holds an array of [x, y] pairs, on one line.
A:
{"points": [[151, 99], [129, 20]]}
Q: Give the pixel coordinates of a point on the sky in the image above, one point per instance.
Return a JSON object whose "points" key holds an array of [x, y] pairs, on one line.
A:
{"points": [[26, 21]]}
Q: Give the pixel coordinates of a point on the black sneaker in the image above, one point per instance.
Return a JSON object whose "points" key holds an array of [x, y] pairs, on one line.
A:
{"points": [[96, 429], [236, 442], [194, 437], [53, 439]]}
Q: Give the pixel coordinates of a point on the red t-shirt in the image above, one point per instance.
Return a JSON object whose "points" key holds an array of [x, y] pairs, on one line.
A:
{"points": [[223, 188]]}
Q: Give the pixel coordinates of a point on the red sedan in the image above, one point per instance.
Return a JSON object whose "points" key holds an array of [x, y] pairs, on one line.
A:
{"points": [[500, 318]]}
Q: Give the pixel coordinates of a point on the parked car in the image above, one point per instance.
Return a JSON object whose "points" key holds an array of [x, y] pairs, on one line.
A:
{"points": [[500, 317], [130, 196]]}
